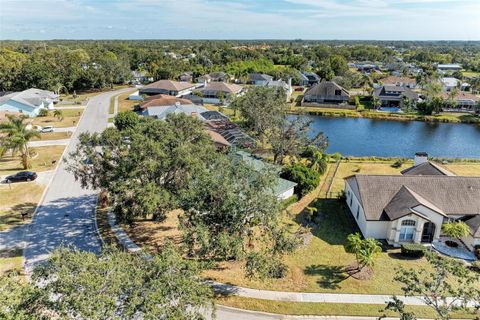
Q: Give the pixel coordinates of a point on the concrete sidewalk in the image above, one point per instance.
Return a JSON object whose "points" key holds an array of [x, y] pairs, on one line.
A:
{"points": [[44, 143]]}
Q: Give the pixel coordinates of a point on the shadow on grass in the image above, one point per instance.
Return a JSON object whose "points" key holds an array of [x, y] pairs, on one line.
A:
{"points": [[331, 276], [400, 256], [333, 221]]}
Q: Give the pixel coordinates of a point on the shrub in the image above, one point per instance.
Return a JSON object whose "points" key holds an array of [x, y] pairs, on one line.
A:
{"points": [[477, 251], [43, 112], [306, 178], [475, 266], [413, 250], [262, 267], [397, 164]]}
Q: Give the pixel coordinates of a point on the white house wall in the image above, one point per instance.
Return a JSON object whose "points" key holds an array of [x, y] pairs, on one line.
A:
{"points": [[471, 242], [355, 203]]}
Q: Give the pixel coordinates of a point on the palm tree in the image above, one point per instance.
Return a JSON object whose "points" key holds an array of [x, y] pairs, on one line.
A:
{"points": [[365, 251], [17, 137], [57, 113]]}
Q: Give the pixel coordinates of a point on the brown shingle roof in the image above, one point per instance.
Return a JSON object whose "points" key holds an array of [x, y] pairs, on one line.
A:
{"points": [[394, 80], [169, 85], [461, 95], [159, 100], [428, 168], [326, 88], [222, 86], [450, 194]]}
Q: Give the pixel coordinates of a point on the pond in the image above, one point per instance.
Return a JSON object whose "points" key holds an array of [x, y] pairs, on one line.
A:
{"points": [[382, 138]]}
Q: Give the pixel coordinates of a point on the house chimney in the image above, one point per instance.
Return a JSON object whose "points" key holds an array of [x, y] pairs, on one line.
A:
{"points": [[420, 157]]}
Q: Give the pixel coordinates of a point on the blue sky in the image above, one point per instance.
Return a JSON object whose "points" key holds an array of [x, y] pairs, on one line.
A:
{"points": [[241, 19]]}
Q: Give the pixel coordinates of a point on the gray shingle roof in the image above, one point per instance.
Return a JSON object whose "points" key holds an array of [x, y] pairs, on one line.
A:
{"points": [[259, 77], [428, 168], [474, 224], [450, 194], [326, 89], [169, 85]]}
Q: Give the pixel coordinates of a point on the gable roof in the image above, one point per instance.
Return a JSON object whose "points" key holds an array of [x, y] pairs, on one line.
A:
{"points": [[161, 112], [460, 95], [31, 98], [394, 80], [428, 168], [281, 185], [326, 88], [404, 202], [221, 86], [397, 91], [450, 194], [169, 85], [159, 100], [259, 77], [474, 224]]}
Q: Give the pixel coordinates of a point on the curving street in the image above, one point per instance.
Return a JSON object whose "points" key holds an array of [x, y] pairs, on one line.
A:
{"points": [[65, 215]]}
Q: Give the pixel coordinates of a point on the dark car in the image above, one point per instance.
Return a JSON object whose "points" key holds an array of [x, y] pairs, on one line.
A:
{"points": [[21, 176]]}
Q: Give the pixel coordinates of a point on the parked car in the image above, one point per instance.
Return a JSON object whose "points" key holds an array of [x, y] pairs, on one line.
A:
{"points": [[47, 129], [21, 176]]}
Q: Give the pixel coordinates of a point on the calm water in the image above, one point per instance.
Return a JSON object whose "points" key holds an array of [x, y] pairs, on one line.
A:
{"points": [[368, 137]]}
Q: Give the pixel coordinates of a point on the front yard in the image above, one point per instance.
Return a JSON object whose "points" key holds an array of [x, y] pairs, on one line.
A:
{"points": [[70, 119], [44, 159], [17, 199]]}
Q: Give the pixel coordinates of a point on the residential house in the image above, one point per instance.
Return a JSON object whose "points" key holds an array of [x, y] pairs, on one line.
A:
{"points": [[449, 67], [219, 92], [259, 79], [186, 77], [161, 112], [230, 131], [393, 96], [367, 68], [28, 102], [462, 101], [449, 83], [413, 207], [161, 100], [139, 77], [309, 78], [326, 92], [282, 189], [172, 88], [400, 81], [220, 142], [215, 77], [286, 87]]}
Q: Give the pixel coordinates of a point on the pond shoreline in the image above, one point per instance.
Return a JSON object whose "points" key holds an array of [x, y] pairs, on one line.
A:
{"points": [[346, 113], [384, 138]]}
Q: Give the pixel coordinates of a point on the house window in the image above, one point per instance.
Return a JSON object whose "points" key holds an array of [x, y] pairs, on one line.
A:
{"points": [[407, 231], [351, 201], [358, 212], [338, 92]]}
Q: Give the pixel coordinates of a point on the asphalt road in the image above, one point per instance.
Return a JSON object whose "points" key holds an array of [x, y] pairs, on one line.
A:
{"points": [[66, 213]]}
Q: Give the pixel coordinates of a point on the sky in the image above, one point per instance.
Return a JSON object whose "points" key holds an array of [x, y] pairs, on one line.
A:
{"points": [[241, 19]]}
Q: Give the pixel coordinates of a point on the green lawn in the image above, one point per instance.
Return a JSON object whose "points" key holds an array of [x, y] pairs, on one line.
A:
{"points": [[46, 158], [319, 265], [70, 119], [16, 199], [124, 104], [54, 136], [364, 167], [11, 261], [330, 309]]}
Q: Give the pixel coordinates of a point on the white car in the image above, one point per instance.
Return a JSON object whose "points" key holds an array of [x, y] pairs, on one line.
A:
{"points": [[47, 129]]}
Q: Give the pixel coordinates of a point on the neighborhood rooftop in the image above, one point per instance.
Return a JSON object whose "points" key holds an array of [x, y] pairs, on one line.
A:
{"points": [[451, 194]]}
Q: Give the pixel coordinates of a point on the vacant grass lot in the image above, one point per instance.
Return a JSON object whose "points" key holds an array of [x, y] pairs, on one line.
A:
{"points": [[43, 161], [82, 97], [330, 309], [16, 199], [70, 119]]}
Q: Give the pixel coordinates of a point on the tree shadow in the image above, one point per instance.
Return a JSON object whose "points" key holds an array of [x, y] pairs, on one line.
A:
{"points": [[333, 221], [330, 276]]}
